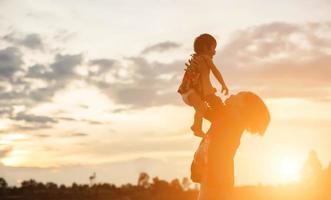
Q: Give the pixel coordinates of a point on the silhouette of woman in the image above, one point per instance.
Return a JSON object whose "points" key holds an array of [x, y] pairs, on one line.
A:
{"points": [[213, 164]]}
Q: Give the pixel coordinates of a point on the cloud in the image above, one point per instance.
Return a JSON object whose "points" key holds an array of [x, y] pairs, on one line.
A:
{"points": [[18, 83], [63, 67], [279, 60], [10, 63], [32, 41], [161, 47], [93, 122], [34, 118], [37, 71], [137, 85], [273, 60], [144, 85], [104, 65], [58, 75], [26, 122], [77, 134], [103, 62], [41, 135], [4, 151]]}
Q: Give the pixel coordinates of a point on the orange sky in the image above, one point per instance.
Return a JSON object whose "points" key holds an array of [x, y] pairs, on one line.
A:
{"points": [[92, 86]]}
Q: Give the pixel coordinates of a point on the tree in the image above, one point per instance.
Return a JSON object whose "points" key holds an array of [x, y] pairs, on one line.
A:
{"points": [[51, 186], [92, 178], [62, 187], [30, 184], [312, 171], [143, 179], [186, 183], [327, 177], [159, 185], [3, 183], [175, 184]]}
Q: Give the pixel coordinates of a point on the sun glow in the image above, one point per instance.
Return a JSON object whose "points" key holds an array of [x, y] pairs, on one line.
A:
{"points": [[10, 138], [16, 158], [289, 169], [13, 157]]}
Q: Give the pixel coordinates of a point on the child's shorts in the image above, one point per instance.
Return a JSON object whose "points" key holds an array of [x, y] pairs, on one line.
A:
{"points": [[186, 95]]}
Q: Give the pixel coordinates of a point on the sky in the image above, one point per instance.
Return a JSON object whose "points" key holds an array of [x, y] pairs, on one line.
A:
{"points": [[91, 86]]}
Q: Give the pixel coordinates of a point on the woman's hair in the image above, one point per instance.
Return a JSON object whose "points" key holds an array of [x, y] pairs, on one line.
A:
{"points": [[258, 116], [202, 41], [254, 113]]}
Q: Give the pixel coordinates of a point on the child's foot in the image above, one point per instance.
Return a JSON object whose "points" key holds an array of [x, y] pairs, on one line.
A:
{"points": [[197, 132]]}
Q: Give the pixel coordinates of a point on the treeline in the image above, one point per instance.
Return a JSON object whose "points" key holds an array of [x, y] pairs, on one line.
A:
{"points": [[156, 189], [315, 184]]}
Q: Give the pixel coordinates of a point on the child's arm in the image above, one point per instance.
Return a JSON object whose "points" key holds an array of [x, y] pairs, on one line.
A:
{"points": [[218, 75]]}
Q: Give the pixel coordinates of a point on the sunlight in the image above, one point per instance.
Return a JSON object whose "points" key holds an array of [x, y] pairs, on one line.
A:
{"points": [[4, 124], [15, 159], [289, 169], [73, 102], [10, 138]]}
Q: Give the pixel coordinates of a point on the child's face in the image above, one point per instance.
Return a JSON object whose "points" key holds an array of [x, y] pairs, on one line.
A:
{"points": [[210, 51]]}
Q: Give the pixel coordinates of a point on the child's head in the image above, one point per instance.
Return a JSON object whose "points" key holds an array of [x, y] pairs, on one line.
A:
{"points": [[205, 44]]}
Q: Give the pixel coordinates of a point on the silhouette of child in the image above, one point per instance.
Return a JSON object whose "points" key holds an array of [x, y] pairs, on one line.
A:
{"points": [[204, 47]]}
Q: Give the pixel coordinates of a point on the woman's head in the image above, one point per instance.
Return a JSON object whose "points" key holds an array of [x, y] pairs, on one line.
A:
{"points": [[252, 111], [205, 44]]}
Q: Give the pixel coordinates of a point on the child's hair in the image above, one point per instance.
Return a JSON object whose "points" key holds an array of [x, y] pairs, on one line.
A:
{"points": [[203, 40]]}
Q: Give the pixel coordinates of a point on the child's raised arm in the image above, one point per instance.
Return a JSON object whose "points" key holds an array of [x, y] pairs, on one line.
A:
{"points": [[218, 75]]}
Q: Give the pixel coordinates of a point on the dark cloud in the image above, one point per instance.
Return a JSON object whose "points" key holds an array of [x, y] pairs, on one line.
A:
{"points": [[78, 134], [145, 87], [38, 71], [67, 118], [5, 110], [275, 60], [63, 67], [57, 74], [10, 63], [28, 122], [94, 122], [104, 65], [17, 87], [64, 36], [41, 135], [31, 41], [102, 62], [33, 118], [81, 120], [30, 127], [161, 47]]}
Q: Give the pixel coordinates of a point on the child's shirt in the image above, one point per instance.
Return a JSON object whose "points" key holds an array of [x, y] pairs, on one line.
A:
{"points": [[204, 68]]}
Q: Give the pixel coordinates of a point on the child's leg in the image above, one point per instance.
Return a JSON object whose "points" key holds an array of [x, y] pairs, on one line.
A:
{"points": [[200, 109], [215, 102], [216, 106]]}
